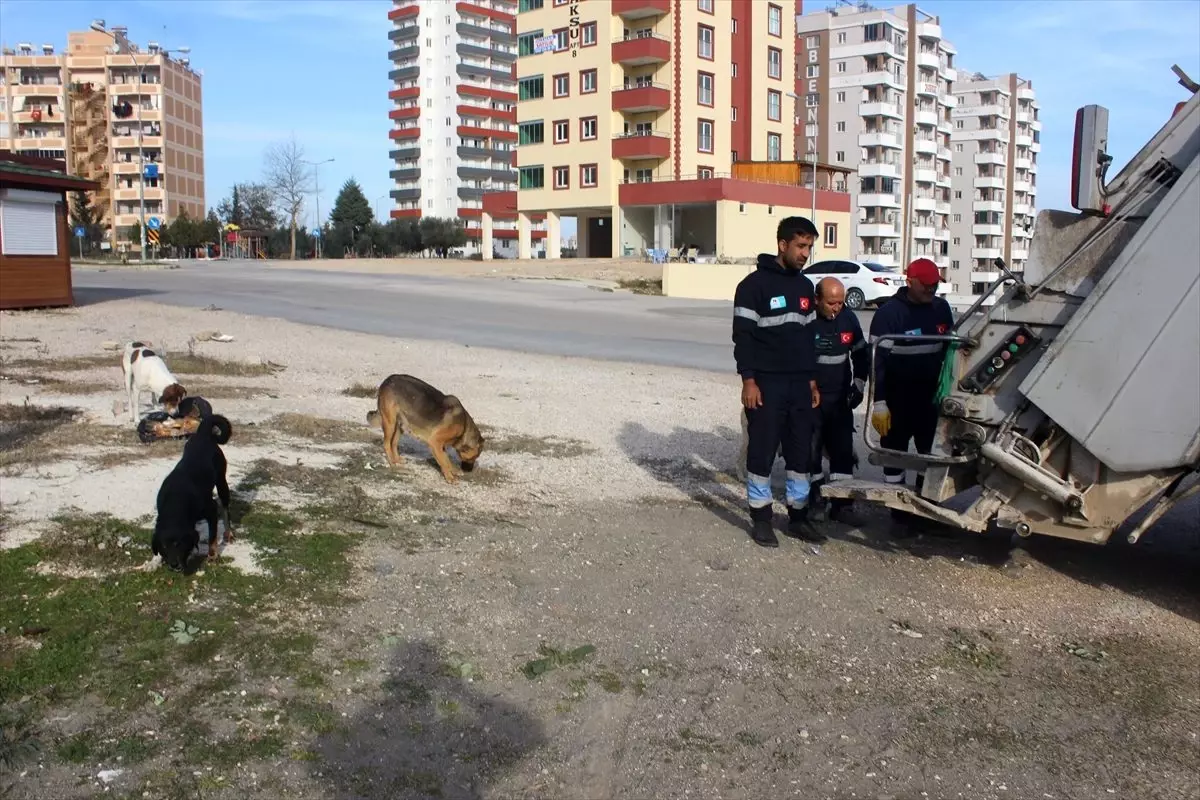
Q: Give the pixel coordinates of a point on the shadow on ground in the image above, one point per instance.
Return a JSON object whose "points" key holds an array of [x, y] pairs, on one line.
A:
{"points": [[432, 733], [95, 295]]}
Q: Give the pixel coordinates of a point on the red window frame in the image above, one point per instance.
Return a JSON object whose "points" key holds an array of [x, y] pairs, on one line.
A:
{"points": [[583, 184]]}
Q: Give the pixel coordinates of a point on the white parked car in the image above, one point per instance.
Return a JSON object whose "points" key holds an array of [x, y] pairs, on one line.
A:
{"points": [[866, 282]]}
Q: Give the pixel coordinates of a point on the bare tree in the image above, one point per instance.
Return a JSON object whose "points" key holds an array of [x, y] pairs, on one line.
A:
{"points": [[288, 179]]}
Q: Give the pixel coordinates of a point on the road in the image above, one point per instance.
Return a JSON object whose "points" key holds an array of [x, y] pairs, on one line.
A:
{"points": [[539, 316]]}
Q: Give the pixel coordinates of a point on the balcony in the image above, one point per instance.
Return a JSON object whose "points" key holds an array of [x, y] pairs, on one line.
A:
{"points": [[924, 204], [878, 200], [926, 117], [497, 35], [942, 207], [927, 89], [928, 58], [1023, 187], [487, 174], [404, 33], [1022, 209], [927, 146], [948, 73], [638, 51], [1019, 255], [988, 205], [876, 229], [944, 154], [997, 159], [945, 126], [404, 73], [405, 194], [984, 276], [470, 70], [988, 182], [943, 180], [1025, 93], [1025, 164], [483, 49], [925, 175], [941, 234], [923, 232], [1036, 147], [638, 99], [882, 77], [1023, 140], [929, 30], [641, 146], [988, 253], [404, 53], [988, 230], [878, 109], [879, 139], [405, 152], [640, 9], [878, 169], [411, 174]]}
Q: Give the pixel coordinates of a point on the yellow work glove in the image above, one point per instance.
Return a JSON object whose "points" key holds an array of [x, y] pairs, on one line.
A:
{"points": [[881, 418]]}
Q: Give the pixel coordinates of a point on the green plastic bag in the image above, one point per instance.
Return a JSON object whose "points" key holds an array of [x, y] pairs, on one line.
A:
{"points": [[947, 379]]}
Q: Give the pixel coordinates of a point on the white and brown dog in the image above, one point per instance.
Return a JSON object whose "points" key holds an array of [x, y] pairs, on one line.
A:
{"points": [[145, 371]]}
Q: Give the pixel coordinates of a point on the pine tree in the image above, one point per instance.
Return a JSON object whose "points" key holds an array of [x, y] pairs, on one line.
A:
{"points": [[84, 216], [351, 211]]}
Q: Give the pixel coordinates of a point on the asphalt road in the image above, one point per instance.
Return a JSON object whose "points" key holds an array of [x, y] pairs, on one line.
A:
{"points": [[540, 316]]}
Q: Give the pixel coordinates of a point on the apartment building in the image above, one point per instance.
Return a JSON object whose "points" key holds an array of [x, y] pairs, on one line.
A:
{"points": [[995, 142], [92, 106], [454, 97], [632, 114], [876, 89]]}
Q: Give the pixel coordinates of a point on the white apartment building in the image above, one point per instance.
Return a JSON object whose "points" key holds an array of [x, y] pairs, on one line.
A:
{"points": [[995, 143], [454, 96], [876, 97]]}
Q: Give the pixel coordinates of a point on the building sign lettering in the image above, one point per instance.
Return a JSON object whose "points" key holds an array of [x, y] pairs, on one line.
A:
{"points": [[576, 28]]}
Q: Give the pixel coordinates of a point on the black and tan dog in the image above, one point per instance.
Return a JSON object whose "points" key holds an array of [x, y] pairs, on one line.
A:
{"points": [[186, 496], [410, 405]]}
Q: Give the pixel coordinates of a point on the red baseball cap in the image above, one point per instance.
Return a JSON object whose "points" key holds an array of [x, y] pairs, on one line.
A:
{"points": [[925, 271]]}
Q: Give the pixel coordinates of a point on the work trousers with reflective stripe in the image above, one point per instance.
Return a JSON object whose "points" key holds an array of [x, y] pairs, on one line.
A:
{"points": [[833, 437], [785, 417], [914, 418]]}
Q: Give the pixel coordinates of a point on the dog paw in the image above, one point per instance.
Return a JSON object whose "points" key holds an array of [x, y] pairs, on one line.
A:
{"points": [[230, 535]]}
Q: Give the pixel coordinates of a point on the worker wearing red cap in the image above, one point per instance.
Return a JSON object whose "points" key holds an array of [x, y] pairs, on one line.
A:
{"points": [[906, 374]]}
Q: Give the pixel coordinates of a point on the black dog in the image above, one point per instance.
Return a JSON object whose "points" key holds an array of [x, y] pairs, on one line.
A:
{"points": [[186, 496]]}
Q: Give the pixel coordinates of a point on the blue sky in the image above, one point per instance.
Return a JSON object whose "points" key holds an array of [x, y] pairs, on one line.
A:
{"points": [[318, 70]]}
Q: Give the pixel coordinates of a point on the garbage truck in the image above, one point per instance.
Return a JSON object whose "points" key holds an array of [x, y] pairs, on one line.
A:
{"points": [[1073, 401]]}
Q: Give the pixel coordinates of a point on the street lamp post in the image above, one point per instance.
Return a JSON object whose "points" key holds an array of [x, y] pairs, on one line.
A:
{"points": [[96, 26], [316, 165]]}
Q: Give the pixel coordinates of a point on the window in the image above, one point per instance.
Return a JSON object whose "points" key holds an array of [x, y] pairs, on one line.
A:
{"points": [[733, 113], [775, 21], [562, 177], [839, 156], [706, 6], [840, 127], [587, 175], [704, 136], [562, 131], [587, 128], [958, 148], [704, 173], [705, 47], [588, 35], [587, 81], [563, 40], [956, 240], [525, 42], [812, 100], [531, 88], [704, 89], [813, 71], [958, 124], [841, 37], [958, 217], [774, 63], [831, 234], [812, 41], [774, 147], [562, 85], [531, 177], [774, 104], [958, 171], [958, 194], [841, 97], [733, 70], [531, 133], [733, 26], [528, 5], [841, 66]]}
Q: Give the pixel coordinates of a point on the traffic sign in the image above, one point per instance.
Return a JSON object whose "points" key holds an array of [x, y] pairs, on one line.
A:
{"points": [[316, 233], [152, 236], [153, 223], [79, 231]]}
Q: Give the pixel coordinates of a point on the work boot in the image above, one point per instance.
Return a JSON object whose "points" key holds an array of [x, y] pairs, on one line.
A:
{"points": [[763, 533], [799, 527]]}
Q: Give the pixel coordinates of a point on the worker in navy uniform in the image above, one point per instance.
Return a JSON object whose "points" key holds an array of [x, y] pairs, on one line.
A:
{"points": [[907, 374], [843, 363], [774, 308]]}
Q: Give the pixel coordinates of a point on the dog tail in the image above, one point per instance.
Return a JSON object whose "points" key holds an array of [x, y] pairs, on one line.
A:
{"points": [[373, 419], [216, 426]]}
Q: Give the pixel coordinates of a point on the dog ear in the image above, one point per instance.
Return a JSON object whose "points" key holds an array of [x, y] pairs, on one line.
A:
{"points": [[173, 394]]}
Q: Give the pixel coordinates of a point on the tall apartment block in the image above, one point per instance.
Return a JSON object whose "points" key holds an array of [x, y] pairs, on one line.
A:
{"points": [[86, 107], [641, 119], [877, 96], [454, 97], [995, 141]]}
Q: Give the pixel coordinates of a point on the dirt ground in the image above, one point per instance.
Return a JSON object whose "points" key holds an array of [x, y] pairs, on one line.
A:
{"points": [[588, 269], [581, 617]]}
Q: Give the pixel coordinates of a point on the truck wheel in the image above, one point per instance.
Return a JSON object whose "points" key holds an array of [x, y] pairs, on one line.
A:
{"points": [[855, 299]]}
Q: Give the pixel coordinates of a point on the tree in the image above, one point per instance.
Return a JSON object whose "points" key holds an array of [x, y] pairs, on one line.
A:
{"points": [[86, 217], [288, 177], [182, 234], [352, 211], [230, 209], [210, 232], [258, 205], [442, 235]]}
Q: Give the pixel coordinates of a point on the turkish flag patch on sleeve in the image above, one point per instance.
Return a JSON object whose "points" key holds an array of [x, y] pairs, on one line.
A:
{"points": [[942, 328], [804, 304], [847, 337]]}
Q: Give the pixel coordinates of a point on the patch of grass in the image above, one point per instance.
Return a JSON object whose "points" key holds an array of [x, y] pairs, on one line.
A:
{"points": [[94, 540], [360, 390], [193, 363], [32, 435], [981, 655], [641, 285], [609, 682], [64, 363], [318, 718], [320, 429], [497, 441], [553, 658]]}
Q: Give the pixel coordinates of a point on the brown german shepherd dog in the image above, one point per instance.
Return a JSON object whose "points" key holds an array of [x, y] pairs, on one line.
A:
{"points": [[410, 405]]}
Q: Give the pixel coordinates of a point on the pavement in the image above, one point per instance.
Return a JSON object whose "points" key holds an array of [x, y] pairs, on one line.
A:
{"points": [[552, 317]]}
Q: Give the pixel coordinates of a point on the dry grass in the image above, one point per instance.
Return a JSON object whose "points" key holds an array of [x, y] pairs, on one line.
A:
{"points": [[360, 390], [189, 363], [319, 429], [641, 285], [541, 446], [32, 435]]}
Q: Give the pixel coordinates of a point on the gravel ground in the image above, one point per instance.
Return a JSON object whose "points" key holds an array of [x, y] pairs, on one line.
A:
{"points": [[603, 514], [603, 269]]}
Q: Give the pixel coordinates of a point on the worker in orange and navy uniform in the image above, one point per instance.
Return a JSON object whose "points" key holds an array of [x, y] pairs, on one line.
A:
{"points": [[843, 363], [907, 374]]}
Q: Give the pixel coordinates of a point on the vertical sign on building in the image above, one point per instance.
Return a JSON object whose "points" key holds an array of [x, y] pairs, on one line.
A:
{"points": [[812, 99], [575, 27]]}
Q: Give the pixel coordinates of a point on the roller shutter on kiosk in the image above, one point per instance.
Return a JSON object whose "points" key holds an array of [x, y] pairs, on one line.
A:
{"points": [[28, 223]]}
